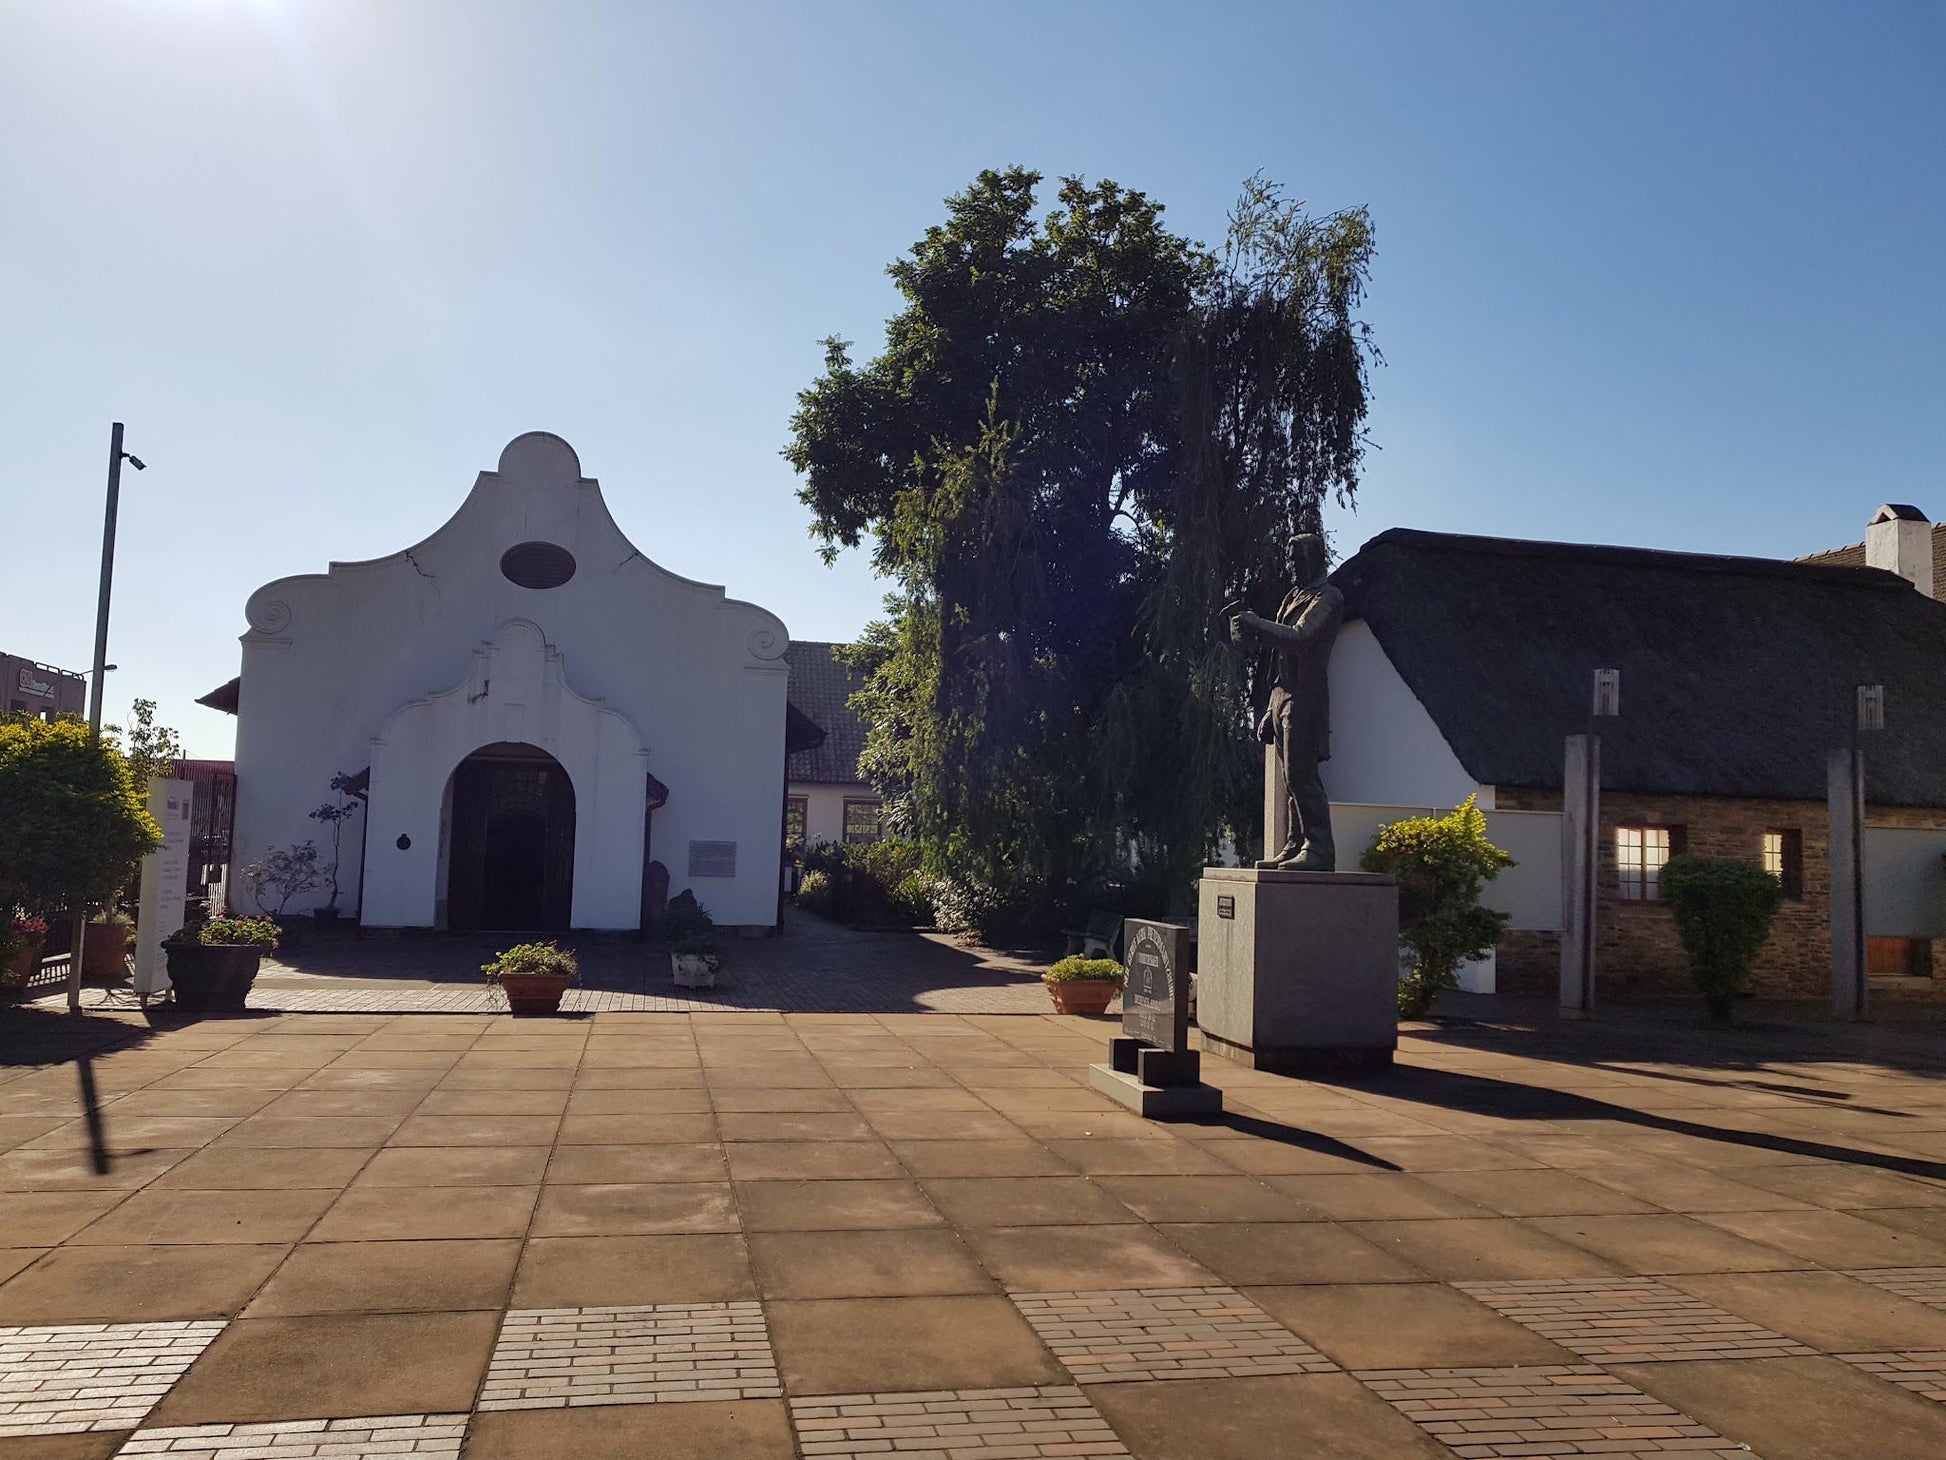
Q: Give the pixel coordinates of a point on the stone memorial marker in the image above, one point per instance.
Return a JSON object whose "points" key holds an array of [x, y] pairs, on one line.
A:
{"points": [[1151, 1068]]}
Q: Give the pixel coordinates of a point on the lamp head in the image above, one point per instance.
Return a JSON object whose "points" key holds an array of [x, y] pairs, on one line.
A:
{"points": [[135, 461]]}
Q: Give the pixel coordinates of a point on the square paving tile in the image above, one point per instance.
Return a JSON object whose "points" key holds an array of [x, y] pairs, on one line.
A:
{"points": [[1256, 1419], [1024, 1201], [1827, 1310], [270, 1369], [1133, 1335], [1497, 1247], [274, 1131], [580, 1272], [423, 1166], [42, 1218], [906, 1345], [389, 1277], [1391, 1196], [255, 1168], [131, 1284], [381, 1214], [1630, 1320], [810, 1160], [665, 1353], [1835, 1239], [1923, 1371], [64, 1379], [479, 1130], [1542, 1413], [1921, 1284], [1403, 1325], [165, 1215], [793, 1126], [1535, 1193], [1664, 1242], [1160, 1156], [1252, 1253], [1064, 1259], [1005, 1424], [623, 1209], [913, 1262], [1018, 1157], [1202, 1199], [804, 1206], [438, 1435], [748, 1429], [1800, 1409]]}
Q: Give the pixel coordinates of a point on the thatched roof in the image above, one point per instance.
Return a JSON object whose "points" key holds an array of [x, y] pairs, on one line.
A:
{"points": [[821, 689], [1738, 674]]}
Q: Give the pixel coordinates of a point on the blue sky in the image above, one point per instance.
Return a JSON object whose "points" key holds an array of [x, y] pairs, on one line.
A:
{"points": [[1664, 274]]}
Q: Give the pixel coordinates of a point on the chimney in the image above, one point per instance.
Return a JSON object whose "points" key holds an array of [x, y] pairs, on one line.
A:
{"points": [[1899, 539]]}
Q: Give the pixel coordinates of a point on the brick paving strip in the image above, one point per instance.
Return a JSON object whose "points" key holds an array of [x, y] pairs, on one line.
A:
{"points": [[1921, 1284], [961, 1424], [1543, 1413], [92, 1376], [1630, 1320], [549, 1358], [1166, 1333], [304, 1439], [1923, 1371]]}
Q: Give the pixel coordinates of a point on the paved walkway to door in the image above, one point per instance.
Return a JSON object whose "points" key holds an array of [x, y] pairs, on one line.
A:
{"points": [[756, 1236]]}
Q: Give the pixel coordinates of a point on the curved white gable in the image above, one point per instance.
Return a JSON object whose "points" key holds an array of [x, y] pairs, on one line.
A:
{"points": [[333, 659], [1385, 748]]}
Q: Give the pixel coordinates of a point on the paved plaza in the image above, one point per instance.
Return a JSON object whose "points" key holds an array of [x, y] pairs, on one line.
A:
{"points": [[755, 1235]]}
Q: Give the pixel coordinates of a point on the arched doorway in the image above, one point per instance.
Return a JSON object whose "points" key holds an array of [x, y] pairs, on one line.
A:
{"points": [[511, 851]]}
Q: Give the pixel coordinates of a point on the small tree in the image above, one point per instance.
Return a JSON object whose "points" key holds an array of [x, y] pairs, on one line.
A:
{"points": [[152, 750], [1723, 911], [282, 874], [1441, 864], [72, 824], [335, 813]]}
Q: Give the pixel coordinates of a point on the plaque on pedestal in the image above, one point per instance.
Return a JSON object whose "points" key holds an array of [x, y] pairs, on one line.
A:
{"points": [[1151, 1069]]}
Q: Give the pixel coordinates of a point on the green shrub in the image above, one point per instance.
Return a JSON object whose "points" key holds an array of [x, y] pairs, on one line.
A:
{"points": [[74, 825], [685, 917], [1441, 863], [1722, 912], [816, 893], [532, 958], [1074, 969], [229, 932]]}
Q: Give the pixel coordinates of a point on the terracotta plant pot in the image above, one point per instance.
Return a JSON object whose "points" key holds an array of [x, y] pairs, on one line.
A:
{"points": [[1083, 995], [534, 993], [212, 978], [21, 967], [104, 953]]}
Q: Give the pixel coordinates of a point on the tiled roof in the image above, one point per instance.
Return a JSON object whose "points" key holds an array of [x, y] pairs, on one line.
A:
{"points": [[820, 688], [1854, 557]]}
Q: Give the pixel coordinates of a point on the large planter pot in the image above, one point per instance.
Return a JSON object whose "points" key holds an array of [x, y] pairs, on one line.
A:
{"points": [[18, 969], [1083, 995], [534, 993], [324, 917], [694, 970], [104, 952], [212, 978]]}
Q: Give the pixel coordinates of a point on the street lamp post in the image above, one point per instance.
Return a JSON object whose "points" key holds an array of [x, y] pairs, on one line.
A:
{"points": [[96, 689]]}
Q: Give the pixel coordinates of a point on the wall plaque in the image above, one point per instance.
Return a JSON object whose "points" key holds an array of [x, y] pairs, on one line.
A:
{"points": [[712, 859], [1155, 1000]]}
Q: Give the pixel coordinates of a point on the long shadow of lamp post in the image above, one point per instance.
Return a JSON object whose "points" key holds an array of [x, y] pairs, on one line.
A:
{"points": [[116, 456]]}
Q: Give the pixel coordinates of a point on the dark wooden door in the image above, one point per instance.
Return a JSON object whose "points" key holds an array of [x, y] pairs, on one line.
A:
{"points": [[511, 862]]}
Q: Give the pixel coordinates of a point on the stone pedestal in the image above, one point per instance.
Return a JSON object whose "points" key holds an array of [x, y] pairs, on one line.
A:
{"points": [[1298, 972]]}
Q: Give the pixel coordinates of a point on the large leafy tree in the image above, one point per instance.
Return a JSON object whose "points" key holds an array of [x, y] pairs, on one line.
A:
{"points": [[1084, 436], [72, 824]]}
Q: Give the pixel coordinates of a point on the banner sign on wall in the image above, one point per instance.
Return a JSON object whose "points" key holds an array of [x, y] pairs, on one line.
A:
{"points": [[165, 883]]}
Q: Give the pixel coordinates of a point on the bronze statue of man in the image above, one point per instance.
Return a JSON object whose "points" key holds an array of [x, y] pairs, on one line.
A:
{"points": [[1298, 719]]}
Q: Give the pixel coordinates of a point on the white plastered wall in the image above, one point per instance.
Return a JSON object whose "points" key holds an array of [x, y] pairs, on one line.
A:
{"points": [[332, 658], [824, 807], [1385, 748]]}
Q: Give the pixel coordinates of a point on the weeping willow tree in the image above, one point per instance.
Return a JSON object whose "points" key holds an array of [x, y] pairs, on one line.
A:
{"points": [[1084, 437]]}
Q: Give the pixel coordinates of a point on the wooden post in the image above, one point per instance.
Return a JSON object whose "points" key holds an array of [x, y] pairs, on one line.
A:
{"points": [[1580, 860], [1845, 794]]}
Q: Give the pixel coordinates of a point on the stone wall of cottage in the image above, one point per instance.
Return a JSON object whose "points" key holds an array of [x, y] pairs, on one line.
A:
{"points": [[1637, 951]]}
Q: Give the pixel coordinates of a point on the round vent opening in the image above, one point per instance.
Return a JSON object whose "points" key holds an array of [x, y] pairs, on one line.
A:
{"points": [[537, 564]]}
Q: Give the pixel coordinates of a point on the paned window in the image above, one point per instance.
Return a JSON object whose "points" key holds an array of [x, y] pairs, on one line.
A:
{"points": [[862, 821], [797, 813], [1641, 852], [1783, 856]]}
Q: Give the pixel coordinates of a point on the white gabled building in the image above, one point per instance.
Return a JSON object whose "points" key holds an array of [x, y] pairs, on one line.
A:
{"points": [[557, 732]]}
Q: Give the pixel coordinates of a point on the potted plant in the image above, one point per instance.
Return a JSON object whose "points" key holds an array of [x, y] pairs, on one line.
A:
{"points": [[533, 976], [213, 963], [1083, 985], [21, 938], [342, 806], [104, 953], [694, 954]]}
